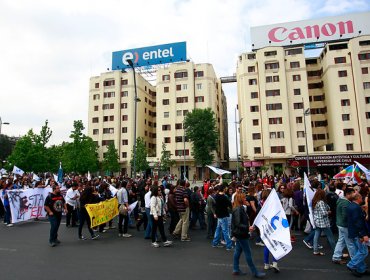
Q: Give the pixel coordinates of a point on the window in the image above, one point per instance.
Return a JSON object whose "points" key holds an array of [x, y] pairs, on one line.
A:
{"points": [[166, 114], [181, 153], [274, 65], [184, 86], [254, 95], [343, 88], [298, 105], [199, 86], [166, 127], [368, 130], [367, 115], [96, 85], [123, 105], [363, 56], [124, 154], [296, 78], [198, 74], [345, 117], [124, 82], [165, 77], [251, 69], [348, 131], [107, 142], [367, 100], [109, 83], [95, 120], [108, 130], [349, 147], [178, 113], [271, 53], [185, 112], [256, 136], [124, 142], [255, 122], [166, 102], [252, 81], [275, 120], [274, 106], [95, 131], [178, 126], [319, 98], [345, 102], [182, 74], [300, 134], [124, 129], [96, 108], [297, 91], [251, 56], [108, 106], [342, 73], [315, 85], [178, 87], [166, 89], [301, 149], [199, 99], [182, 99], [124, 93], [293, 51], [96, 97], [273, 92], [365, 70], [254, 109], [125, 117], [277, 149], [167, 140], [294, 64], [299, 120], [366, 85], [364, 43], [257, 150], [339, 60], [278, 134], [109, 94], [178, 139]]}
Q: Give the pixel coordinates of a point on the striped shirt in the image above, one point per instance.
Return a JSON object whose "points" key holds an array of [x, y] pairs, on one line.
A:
{"points": [[180, 195]]}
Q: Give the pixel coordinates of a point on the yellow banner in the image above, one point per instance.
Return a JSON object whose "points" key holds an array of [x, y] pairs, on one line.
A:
{"points": [[102, 212]]}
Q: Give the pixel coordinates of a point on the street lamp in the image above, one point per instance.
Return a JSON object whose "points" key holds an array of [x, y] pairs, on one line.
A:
{"points": [[1, 124], [306, 113], [236, 141], [129, 61]]}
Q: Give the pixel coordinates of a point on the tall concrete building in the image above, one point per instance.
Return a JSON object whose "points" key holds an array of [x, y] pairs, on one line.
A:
{"points": [[180, 88], [277, 85]]}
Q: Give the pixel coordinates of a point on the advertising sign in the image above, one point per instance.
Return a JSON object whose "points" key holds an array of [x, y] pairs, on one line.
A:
{"points": [[160, 54], [330, 160], [309, 31]]}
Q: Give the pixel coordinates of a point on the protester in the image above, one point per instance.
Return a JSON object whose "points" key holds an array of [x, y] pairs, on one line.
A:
{"points": [[182, 205], [210, 211], [71, 198], [122, 196], [88, 196], [171, 205]]}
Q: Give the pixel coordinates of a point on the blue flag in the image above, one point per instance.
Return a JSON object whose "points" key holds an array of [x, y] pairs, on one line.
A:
{"points": [[60, 174]]}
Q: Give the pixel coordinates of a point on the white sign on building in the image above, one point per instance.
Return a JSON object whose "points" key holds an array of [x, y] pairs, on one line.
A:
{"points": [[311, 31]]}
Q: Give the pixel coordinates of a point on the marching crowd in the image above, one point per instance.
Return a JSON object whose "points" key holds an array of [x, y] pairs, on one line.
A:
{"points": [[225, 211]]}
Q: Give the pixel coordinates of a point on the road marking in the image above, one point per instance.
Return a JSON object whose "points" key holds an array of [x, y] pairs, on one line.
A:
{"points": [[8, 249], [323, 270]]}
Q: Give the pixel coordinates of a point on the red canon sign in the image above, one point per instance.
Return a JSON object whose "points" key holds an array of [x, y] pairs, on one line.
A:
{"points": [[280, 34]]}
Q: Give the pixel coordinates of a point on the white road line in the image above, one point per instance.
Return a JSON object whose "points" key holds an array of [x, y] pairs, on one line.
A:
{"points": [[8, 249]]}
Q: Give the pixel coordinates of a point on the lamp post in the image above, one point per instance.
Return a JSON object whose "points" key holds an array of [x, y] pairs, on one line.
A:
{"points": [[1, 124], [236, 141], [306, 113], [129, 61]]}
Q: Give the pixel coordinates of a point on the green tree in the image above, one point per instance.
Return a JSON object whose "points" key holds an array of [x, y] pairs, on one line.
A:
{"points": [[166, 161], [82, 154], [6, 147], [200, 128], [111, 160], [141, 155]]}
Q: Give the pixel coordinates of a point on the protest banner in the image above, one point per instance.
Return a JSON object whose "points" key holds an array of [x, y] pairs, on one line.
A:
{"points": [[102, 212], [27, 204]]}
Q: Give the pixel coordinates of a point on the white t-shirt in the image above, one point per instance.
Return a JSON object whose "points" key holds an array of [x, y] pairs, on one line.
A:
{"points": [[147, 199], [70, 195]]}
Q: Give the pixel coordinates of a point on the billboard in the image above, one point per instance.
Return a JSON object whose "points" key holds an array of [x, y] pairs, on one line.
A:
{"points": [[152, 55], [311, 31], [329, 160]]}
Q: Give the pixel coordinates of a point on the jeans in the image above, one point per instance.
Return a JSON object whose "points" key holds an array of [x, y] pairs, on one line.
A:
{"points": [[148, 230], [222, 225], [54, 226], [343, 241], [84, 216], [174, 220], [358, 260], [329, 236], [243, 245], [183, 224], [195, 216], [7, 215], [266, 254]]}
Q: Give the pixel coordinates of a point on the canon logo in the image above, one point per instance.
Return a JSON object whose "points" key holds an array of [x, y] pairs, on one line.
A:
{"points": [[280, 34]]}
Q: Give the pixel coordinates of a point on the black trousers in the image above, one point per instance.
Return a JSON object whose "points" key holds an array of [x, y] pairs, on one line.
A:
{"points": [[72, 213], [158, 224], [122, 218]]}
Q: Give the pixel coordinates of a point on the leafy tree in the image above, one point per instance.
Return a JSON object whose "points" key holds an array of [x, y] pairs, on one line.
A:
{"points": [[166, 161], [7, 145], [111, 160], [200, 128], [141, 155]]}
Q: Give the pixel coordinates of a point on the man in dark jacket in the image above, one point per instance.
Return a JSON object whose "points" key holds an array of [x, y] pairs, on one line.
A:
{"points": [[357, 232]]}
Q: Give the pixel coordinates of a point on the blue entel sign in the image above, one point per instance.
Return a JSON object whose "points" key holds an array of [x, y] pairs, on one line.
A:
{"points": [[159, 54]]}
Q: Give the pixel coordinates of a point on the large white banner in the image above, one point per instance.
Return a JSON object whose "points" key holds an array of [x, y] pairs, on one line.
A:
{"points": [[27, 204], [309, 193], [274, 226]]}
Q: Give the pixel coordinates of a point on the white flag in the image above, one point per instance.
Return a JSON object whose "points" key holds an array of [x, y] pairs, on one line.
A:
{"points": [[364, 169], [2, 171], [113, 190], [18, 171], [35, 178], [274, 226], [88, 176], [55, 178], [309, 193], [218, 170]]}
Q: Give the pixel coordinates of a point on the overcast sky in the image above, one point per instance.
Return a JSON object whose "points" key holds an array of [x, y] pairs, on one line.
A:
{"points": [[50, 49]]}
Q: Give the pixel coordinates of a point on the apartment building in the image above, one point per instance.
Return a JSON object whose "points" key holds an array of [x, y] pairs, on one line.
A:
{"points": [[276, 85], [111, 117]]}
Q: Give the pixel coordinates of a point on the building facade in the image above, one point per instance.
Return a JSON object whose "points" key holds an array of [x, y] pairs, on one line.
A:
{"points": [[283, 95]]}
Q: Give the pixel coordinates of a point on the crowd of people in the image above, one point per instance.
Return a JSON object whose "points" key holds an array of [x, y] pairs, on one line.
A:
{"points": [[225, 211]]}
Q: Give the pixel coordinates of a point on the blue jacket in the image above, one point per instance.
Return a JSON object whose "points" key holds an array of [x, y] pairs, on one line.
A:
{"points": [[356, 221]]}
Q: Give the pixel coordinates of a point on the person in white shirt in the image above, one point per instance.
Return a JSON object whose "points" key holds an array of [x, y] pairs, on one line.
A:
{"points": [[71, 199]]}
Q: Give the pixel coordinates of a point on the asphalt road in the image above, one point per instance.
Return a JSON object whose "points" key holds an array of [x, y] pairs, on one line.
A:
{"points": [[25, 254]]}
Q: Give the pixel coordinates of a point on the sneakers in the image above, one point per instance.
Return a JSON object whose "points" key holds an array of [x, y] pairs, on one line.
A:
{"points": [[167, 243], [340, 262], [9, 225], [52, 244], [308, 244], [267, 266], [218, 246], [275, 267], [229, 249], [57, 241], [95, 236], [223, 242], [126, 235], [155, 245], [106, 228], [82, 238], [111, 227], [176, 236], [259, 274], [187, 239], [120, 235], [260, 244]]}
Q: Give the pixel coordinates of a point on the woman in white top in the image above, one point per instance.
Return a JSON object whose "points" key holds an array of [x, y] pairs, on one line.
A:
{"points": [[156, 214]]}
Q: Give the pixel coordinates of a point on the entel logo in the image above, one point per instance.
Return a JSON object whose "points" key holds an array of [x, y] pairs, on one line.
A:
{"points": [[148, 55], [130, 55], [280, 34]]}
